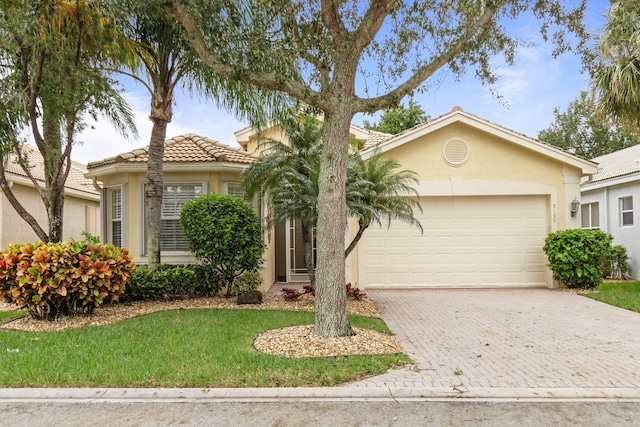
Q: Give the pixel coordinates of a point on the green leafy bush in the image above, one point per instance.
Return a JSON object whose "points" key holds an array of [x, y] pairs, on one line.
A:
{"points": [[575, 256], [247, 281], [224, 232], [62, 279], [615, 263], [171, 282]]}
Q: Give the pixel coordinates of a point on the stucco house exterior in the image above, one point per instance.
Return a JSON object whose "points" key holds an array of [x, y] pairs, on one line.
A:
{"points": [[193, 165], [81, 206], [610, 201], [489, 195]]}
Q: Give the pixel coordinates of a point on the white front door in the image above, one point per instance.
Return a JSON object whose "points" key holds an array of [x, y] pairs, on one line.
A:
{"points": [[290, 264]]}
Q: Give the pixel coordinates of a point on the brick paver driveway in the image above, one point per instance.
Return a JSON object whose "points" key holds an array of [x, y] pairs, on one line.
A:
{"points": [[509, 338]]}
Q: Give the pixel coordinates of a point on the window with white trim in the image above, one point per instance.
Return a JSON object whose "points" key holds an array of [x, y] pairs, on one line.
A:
{"points": [[238, 190], [174, 197], [590, 215], [626, 211], [114, 203]]}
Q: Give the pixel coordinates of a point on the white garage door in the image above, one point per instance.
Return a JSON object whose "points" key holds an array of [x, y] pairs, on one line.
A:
{"points": [[467, 241]]}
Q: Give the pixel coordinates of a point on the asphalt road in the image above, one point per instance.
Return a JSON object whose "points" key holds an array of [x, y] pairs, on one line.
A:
{"points": [[333, 413]]}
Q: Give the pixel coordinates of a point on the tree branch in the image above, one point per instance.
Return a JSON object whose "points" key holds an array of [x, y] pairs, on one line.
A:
{"points": [[18, 206], [267, 80], [331, 20], [427, 70], [24, 164], [371, 23]]}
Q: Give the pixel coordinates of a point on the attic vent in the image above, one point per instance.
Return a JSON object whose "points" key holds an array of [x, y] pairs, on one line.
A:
{"points": [[456, 152]]}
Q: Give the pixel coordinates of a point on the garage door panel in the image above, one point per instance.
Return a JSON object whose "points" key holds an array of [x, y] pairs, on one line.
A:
{"points": [[474, 241]]}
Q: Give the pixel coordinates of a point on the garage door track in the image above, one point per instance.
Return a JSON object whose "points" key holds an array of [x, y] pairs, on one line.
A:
{"points": [[511, 339]]}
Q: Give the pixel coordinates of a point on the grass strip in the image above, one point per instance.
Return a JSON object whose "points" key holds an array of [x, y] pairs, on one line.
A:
{"points": [[186, 348], [621, 294]]}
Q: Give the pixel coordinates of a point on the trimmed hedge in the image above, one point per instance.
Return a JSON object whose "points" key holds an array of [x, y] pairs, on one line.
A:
{"points": [[223, 231], [62, 279], [172, 281]]}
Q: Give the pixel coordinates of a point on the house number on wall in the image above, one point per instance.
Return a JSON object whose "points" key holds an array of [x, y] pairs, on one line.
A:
{"points": [[554, 212]]}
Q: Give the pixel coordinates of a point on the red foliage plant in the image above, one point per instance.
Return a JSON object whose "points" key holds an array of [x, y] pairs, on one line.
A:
{"points": [[62, 279]]}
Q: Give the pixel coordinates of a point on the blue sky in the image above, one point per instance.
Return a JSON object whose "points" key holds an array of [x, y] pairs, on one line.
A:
{"points": [[530, 91]]}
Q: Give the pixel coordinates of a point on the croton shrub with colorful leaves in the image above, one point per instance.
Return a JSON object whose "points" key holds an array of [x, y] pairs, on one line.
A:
{"points": [[63, 279]]}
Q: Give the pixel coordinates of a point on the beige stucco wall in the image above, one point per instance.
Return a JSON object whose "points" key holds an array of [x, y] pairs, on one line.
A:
{"points": [[133, 181], [77, 218], [494, 167], [492, 162]]}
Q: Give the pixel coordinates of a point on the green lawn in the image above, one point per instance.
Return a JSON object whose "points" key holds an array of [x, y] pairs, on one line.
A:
{"points": [[620, 294], [189, 348]]}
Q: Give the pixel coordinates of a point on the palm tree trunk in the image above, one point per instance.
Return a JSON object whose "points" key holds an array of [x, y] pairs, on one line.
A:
{"points": [[356, 239], [307, 242], [153, 192]]}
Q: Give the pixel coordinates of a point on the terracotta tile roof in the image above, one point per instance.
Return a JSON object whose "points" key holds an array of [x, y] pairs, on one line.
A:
{"points": [[76, 179], [372, 137], [620, 163], [188, 148]]}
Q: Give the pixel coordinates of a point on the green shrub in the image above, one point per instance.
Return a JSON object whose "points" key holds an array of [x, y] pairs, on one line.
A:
{"points": [[223, 231], [171, 282], [615, 263], [575, 256], [247, 281], [62, 279]]}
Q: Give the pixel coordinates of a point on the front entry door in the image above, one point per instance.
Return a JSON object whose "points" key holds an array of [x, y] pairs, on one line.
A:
{"points": [[290, 265]]}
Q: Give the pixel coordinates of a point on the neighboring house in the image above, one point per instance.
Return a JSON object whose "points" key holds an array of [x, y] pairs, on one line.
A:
{"points": [[610, 199], [490, 196], [193, 165], [81, 203]]}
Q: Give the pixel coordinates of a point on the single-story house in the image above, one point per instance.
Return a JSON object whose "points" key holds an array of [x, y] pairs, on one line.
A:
{"points": [[608, 201], [81, 205], [193, 165], [489, 195]]}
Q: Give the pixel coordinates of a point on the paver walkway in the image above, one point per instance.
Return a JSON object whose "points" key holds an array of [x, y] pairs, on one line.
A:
{"points": [[509, 338]]}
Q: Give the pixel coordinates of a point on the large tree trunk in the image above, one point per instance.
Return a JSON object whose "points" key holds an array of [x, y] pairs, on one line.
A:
{"points": [[331, 297], [55, 212], [153, 192]]}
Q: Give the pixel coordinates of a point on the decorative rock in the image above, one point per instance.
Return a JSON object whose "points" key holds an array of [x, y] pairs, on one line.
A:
{"points": [[251, 297]]}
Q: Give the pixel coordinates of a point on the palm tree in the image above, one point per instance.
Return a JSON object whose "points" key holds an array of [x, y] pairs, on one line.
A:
{"points": [[615, 78], [286, 178], [383, 193], [164, 59]]}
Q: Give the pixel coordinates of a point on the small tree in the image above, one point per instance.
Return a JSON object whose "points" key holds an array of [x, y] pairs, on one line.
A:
{"points": [[224, 232], [580, 131], [575, 256], [398, 119]]}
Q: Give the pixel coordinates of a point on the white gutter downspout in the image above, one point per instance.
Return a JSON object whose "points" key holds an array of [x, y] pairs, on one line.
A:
{"points": [[96, 185]]}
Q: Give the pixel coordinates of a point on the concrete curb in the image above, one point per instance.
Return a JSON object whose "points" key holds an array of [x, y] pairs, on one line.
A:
{"points": [[304, 394]]}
